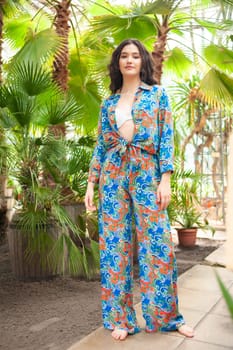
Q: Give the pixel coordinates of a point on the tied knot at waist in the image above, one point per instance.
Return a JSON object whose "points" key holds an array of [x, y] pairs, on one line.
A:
{"points": [[122, 146]]}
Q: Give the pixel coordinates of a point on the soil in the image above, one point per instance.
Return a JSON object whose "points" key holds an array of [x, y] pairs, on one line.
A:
{"points": [[54, 314]]}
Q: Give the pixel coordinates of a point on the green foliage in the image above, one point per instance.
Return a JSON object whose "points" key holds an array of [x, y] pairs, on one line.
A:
{"points": [[85, 83], [184, 208], [31, 78], [227, 296], [160, 7], [216, 89], [128, 23], [15, 30], [39, 47], [220, 56], [8, 7], [177, 63], [45, 166]]}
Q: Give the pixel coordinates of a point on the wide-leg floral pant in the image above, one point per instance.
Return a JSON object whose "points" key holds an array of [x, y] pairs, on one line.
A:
{"points": [[127, 192]]}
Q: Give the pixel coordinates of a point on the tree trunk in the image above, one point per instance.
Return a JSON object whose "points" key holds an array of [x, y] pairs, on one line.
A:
{"points": [[3, 208], [197, 129], [208, 142], [159, 49], [1, 40], [60, 64]]}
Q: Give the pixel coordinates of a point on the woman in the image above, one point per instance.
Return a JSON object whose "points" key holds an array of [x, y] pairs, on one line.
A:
{"points": [[132, 163]]}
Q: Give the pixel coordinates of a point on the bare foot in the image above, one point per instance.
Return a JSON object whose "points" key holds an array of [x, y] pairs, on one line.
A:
{"points": [[186, 331], [119, 334]]}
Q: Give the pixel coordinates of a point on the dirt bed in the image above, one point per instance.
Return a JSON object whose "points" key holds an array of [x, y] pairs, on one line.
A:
{"points": [[54, 314]]}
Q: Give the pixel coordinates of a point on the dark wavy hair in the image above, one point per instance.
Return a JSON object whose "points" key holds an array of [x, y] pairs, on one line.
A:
{"points": [[147, 68]]}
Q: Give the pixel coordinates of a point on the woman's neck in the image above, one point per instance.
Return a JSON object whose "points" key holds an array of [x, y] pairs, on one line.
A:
{"points": [[130, 85]]}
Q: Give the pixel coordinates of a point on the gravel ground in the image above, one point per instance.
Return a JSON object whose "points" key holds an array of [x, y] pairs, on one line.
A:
{"points": [[54, 314]]}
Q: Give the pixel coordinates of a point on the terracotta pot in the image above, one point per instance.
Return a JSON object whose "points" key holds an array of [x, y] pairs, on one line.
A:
{"points": [[187, 237]]}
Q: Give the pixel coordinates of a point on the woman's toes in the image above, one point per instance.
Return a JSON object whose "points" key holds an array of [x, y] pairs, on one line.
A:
{"points": [[186, 331], [119, 334]]}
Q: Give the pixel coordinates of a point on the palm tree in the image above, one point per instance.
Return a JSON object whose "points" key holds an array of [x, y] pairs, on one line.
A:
{"points": [[29, 103], [165, 21], [7, 7], [154, 19]]}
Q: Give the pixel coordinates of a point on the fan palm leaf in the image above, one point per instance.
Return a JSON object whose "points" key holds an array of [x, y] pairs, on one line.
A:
{"points": [[177, 63], [15, 30], [85, 89], [32, 78], [220, 56], [39, 47], [60, 110], [216, 89]]}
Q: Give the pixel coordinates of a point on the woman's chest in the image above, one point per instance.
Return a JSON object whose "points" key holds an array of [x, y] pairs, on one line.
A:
{"points": [[144, 111]]}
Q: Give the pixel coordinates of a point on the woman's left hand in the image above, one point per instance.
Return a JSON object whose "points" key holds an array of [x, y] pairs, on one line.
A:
{"points": [[164, 192]]}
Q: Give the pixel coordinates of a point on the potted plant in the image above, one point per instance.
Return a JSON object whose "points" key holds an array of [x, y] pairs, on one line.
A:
{"points": [[184, 210], [40, 238]]}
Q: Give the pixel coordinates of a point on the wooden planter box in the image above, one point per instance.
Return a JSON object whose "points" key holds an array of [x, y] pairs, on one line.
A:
{"points": [[22, 267]]}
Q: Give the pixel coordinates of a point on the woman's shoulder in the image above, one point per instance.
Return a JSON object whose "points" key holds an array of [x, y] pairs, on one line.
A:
{"points": [[155, 91], [109, 99], [157, 87]]}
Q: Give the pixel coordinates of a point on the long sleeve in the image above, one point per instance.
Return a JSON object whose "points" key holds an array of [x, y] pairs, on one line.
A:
{"points": [[99, 151], [166, 142]]}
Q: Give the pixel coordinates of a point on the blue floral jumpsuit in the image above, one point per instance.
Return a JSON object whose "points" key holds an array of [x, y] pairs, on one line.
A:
{"points": [[128, 174]]}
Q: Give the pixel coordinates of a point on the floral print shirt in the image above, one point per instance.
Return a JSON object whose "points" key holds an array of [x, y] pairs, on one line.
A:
{"points": [[153, 131]]}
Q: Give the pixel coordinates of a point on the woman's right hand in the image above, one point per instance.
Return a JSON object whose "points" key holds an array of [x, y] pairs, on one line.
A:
{"points": [[89, 197]]}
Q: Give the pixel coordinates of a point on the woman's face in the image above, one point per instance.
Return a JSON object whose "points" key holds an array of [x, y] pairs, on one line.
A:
{"points": [[130, 61]]}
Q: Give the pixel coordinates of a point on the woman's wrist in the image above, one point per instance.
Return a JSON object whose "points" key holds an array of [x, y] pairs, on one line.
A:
{"points": [[90, 185], [166, 176]]}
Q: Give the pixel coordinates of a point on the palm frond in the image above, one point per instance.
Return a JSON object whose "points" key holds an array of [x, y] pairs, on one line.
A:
{"points": [[21, 106], [101, 7], [177, 63], [61, 110], [92, 259], [65, 255], [227, 296], [9, 7], [210, 26], [160, 7], [6, 120], [220, 56], [76, 264], [31, 77], [32, 222], [216, 89], [15, 30], [4, 95], [123, 26], [39, 47], [84, 88]]}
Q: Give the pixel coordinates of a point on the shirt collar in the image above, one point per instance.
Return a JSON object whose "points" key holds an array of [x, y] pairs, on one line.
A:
{"points": [[145, 86], [142, 86]]}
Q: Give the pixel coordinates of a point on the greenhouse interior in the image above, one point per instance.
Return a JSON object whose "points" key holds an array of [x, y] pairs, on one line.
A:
{"points": [[55, 72]]}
